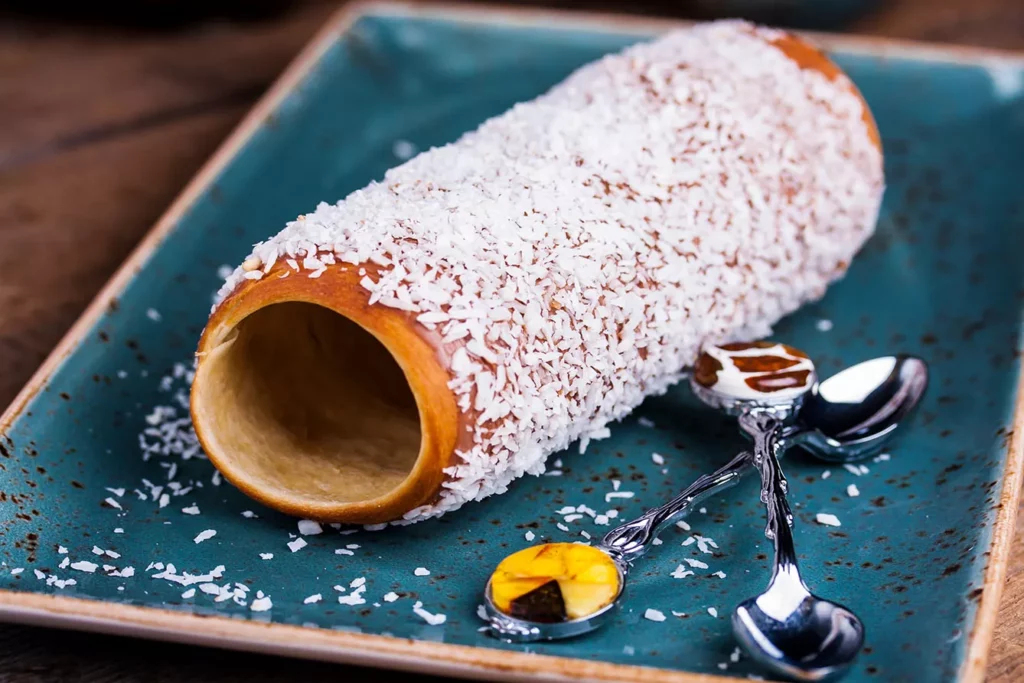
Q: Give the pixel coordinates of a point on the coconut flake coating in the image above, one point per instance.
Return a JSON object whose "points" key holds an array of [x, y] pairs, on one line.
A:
{"points": [[582, 247]]}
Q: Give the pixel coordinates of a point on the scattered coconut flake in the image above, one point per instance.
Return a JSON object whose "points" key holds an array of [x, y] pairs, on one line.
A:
{"points": [[852, 469], [573, 518], [188, 594], [823, 325], [713, 612], [654, 615], [628, 650], [703, 511], [655, 541], [644, 422], [62, 550], [723, 666], [266, 556], [204, 535], [705, 544], [165, 500], [826, 474], [681, 572], [587, 536], [357, 582], [697, 564], [262, 603], [374, 527], [249, 514], [852, 491], [562, 526], [432, 619], [192, 509], [308, 527], [391, 596], [84, 566], [529, 535], [113, 503], [608, 497], [734, 656], [17, 570], [689, 541], [116, 492], [682, 524], [343, 551], [882, 457], [601, 520], [421, 571], [64, 563], [313, 599], [720, 574], [353, 598], [658, 458], [827, 519], [678, 614], [39, 575], [297, 545]]}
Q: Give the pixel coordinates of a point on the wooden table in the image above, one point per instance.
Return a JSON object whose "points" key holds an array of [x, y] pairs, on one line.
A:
{"points": [[100, 128]]}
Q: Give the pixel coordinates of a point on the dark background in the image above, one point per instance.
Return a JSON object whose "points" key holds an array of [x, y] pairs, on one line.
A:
{"points": [[108, 108]]}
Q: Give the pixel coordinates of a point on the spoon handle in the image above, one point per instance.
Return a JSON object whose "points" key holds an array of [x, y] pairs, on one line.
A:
{"points": [[632, 539], [766, 430]]}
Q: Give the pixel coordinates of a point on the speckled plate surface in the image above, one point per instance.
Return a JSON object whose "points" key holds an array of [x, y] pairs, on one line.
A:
{"points": [[96, 478]]}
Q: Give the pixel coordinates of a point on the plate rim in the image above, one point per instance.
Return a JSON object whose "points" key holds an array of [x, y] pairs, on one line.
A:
{"points": [[444, 658]]}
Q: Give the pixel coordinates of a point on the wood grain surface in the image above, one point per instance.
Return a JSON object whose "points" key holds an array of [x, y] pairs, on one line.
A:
{"points": [[101, 124]]}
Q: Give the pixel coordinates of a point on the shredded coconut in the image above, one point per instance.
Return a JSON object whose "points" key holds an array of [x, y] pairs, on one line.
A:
{"points": [[432, 619], [308, 527], [827, 519], [262, 603], [205, 535]]}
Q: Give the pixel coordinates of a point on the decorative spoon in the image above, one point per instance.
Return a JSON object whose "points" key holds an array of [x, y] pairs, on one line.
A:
{"points": [[787, 628], [892, 397]]}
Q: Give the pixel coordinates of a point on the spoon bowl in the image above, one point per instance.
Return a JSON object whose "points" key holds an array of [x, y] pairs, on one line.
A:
{"points": [[857, 412], [816, 641]]}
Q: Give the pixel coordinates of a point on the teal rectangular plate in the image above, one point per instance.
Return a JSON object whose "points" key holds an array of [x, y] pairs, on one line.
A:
{"points": [[921, 553]]}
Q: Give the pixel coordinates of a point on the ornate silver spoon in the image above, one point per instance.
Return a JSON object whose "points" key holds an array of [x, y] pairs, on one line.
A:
{"points": [[787, 628], [890, 387]]}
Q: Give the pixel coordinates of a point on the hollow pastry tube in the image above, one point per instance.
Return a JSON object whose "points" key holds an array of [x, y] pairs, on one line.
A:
{"points": [[436, 335]]}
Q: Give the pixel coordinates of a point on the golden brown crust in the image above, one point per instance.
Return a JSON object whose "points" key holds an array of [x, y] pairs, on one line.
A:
{"points": [[810, 57], [418, 352]]}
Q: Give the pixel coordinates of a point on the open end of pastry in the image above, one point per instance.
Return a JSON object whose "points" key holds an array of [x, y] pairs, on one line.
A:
{"points": [[304, 403]]}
